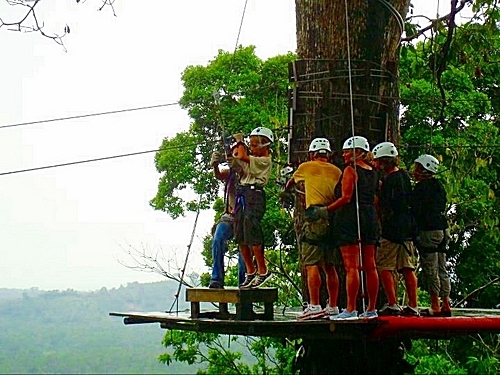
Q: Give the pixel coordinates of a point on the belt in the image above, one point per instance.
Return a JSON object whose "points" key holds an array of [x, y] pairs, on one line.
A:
{"points": [[252, 187]]}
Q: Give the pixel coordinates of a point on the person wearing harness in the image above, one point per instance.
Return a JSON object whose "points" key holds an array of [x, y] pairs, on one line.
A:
{"points": [[320, 178], [428, 204], [254, 171], [223, 229], [358, 186], [396, 252]]}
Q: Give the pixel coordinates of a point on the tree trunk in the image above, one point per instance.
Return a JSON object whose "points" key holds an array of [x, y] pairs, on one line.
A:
{"points": [[328, 45]]}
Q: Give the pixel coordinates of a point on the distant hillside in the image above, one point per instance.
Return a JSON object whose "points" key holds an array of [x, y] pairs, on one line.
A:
{"points": [[70, 332]]}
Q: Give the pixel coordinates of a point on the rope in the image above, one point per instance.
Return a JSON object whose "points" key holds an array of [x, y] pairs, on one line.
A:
{"points": [[183, 271], [353, 150]]}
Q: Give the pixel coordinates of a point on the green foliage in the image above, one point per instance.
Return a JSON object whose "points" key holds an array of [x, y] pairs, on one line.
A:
{"points": [[263, 355], [234, 93], [461, 355]]}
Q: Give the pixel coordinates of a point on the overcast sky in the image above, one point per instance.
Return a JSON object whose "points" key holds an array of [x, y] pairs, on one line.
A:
{"points": [[65, 227]]}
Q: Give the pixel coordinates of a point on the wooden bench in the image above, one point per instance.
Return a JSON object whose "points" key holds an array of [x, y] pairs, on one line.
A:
{"points": [[242, 298]]}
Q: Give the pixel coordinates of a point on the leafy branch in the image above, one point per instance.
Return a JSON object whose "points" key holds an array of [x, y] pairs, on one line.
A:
{"points": [[434, 22], [475, 291]]}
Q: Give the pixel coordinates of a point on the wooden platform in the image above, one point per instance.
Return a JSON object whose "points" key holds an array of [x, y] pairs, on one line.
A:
{"points": [[285, 325], [243, 299]]}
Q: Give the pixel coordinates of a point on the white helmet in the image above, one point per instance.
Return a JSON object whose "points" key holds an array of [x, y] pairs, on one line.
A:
{"points": [[356, 142], [429, 162], [320, 144], [286, 171], [385, 149], [263, 132]]}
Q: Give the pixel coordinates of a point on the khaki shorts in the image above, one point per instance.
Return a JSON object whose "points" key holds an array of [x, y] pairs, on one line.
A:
{"points": [[432, 239], [315, 232], [394, 257], [311, 255]]}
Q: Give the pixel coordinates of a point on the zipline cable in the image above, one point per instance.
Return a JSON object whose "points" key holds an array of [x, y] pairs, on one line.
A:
{"points": [[88, 115], [354, 156], [92, 160], [183, 271]]}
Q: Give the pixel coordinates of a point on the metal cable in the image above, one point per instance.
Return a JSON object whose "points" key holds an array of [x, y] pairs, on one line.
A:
{"points": [[353, 152]]}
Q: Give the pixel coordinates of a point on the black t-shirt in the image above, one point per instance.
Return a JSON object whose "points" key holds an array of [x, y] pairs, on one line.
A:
{"points": [[395, 212], [428, 203]]}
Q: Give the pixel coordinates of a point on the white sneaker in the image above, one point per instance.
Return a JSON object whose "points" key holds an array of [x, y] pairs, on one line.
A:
{"points": [[330, 311], [344, 315], [311, 312]]}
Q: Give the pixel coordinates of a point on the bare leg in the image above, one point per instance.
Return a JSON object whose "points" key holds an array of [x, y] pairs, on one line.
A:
{"points": [[446, 304], [411, 286], [313, 284], [332, 284], [389, 286], [435, 302], [246, 254], [350, 256], [372, 282], [258, 252]]}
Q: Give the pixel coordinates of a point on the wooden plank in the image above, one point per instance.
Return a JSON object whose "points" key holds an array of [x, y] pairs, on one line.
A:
{"points": [[232, 295], [212, 295]]}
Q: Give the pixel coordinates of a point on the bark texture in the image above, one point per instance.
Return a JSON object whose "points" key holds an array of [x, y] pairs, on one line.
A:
{"points": [[333, 41]]}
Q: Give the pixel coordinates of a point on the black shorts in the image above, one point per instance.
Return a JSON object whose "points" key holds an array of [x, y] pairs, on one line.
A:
{"points": [[346, 225], [249, 210]]}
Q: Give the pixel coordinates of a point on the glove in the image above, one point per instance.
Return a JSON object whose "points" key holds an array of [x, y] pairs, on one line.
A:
{"points": [[287, 199], [216, 158], [314, 213]]}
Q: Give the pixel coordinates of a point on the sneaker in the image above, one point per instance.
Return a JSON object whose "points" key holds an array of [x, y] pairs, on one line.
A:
{"points": [[410, 311], [330, 311], [214, 284], [390, 310], [249, 277], [311, 312], [369, 314], [260, 280], [344, 315]]}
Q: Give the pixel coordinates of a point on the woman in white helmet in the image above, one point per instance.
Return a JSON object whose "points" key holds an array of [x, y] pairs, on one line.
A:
{"points": [[320, 178], [254, 170], [358, 186], [396, 252], [429, 206]]}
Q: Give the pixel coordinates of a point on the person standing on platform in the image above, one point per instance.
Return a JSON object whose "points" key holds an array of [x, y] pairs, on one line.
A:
{"points": [[223, 229], [396, 252], [254, 170], [429, 206], [320, 178], [356, 225]]}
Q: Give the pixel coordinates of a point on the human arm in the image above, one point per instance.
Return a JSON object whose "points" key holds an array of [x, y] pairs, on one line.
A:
{"points": [[348, 182], [215, 160], [240, 152], [290, 184]]}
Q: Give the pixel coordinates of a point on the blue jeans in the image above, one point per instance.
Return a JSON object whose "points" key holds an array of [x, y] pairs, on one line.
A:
{"points": [[223, 233]]}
